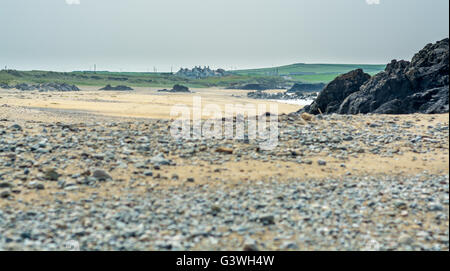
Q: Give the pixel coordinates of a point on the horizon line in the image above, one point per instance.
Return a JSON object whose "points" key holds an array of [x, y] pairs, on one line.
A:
{"points": [[164, 71]]}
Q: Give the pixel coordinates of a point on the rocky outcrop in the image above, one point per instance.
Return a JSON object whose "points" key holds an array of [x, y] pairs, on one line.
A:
{"points": [[46, 87], [256, 86], [57, 87], [25, 87], [305, 87], [431, 101], [383, 87], [5, 86], [180, 88], [176, 89], [117, 88], [330, 98], [419, 86], [282, 95]]}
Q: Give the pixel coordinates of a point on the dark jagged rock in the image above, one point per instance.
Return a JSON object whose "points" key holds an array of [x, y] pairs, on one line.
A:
{"points": [[176, 88], [419, 86], [432, 101], [118, 88], [25, 87], [180, 88], [282, 95], [5, 86], [330, 98], [305, 87], [57, 87], [47, 87], [406, 87], [388, 85]]}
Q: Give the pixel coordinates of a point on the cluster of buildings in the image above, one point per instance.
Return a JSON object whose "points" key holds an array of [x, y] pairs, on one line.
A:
{"points": [[199, 72]]}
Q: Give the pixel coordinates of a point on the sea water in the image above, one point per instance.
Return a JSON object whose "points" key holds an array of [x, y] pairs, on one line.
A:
{"points": [[302, 102]]}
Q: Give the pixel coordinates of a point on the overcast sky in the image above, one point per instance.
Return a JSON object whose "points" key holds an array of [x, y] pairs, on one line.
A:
{"points": [[137, 35]]}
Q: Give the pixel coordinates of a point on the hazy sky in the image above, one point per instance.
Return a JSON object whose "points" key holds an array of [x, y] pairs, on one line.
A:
{"points": [[136, 35]]}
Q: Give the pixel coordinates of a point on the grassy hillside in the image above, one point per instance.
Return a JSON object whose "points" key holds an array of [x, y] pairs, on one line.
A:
{"points": [[135, 79], [310, 72], [285, 75]]}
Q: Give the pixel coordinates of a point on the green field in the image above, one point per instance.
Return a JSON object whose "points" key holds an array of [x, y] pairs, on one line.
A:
{"points": [[283, 76], [312, 73], [135, 79]]}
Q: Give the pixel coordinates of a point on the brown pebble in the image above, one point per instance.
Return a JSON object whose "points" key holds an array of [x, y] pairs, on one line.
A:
{"points": [[224, 150]]}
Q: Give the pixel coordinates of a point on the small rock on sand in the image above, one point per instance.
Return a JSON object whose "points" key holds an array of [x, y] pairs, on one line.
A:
{"points": [[101, 175], [224, 150], [307, 117]]}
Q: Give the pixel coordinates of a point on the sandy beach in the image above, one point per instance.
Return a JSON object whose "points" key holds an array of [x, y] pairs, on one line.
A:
{"points": [[56, 146], [141, 103]]}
